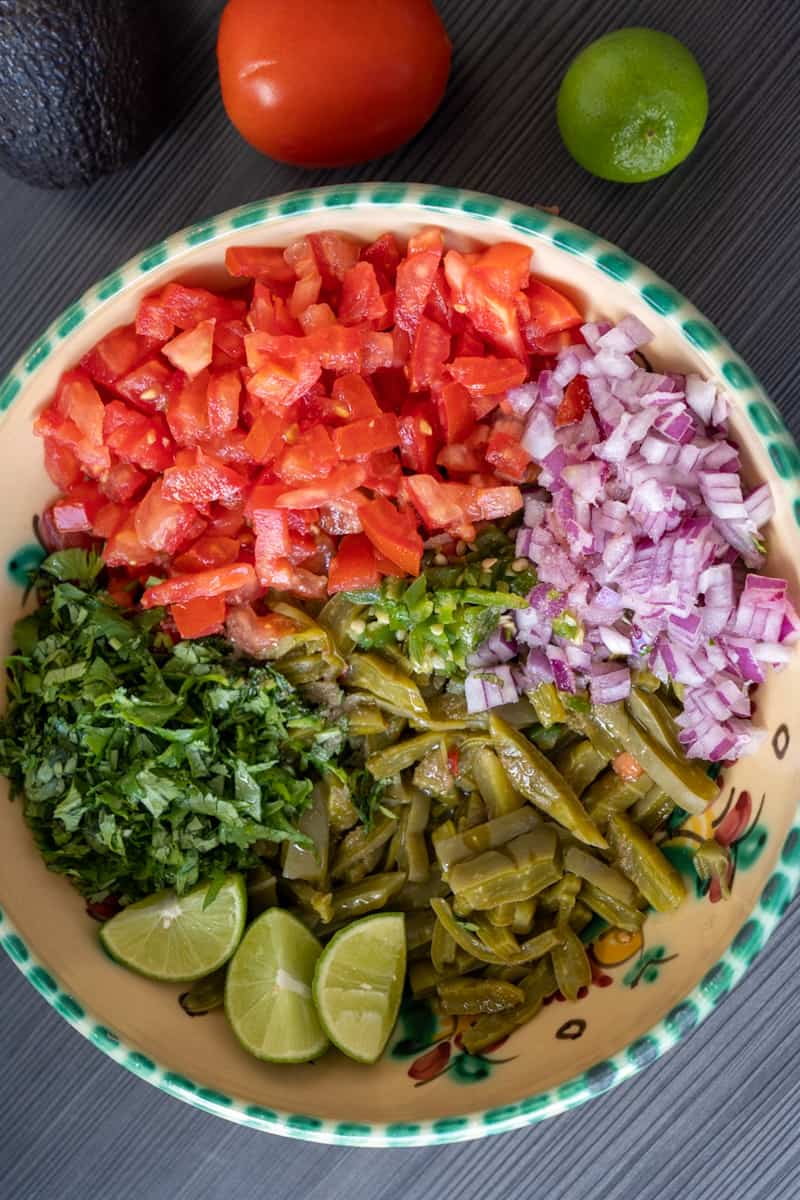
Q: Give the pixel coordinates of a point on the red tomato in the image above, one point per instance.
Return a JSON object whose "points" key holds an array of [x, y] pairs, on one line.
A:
{"points": [[340, 516], [224, 393], [418, 437], [310, 456], [124, 549], [370, 435], [393, 534], [187, 410], [146, 387], [203, 479], [353, 565], [577, 401], [210, 550], [61, 464], [188, 306], [455, 413], [550, 310], [384, 254], [153, 321], [218, 581], [115, 355], [137, 438], [435, 504], [109, 519], [352, 399], [414, 281], [199, 618], [258, 262], [331, 82], [259, 637], [429, 352], [79, 401], [487, 376], [361, 298], [165, 524], [76, 512], [192, 350], [123, 482], [504, 452], [264, 439], [341, 480], [384, 474]]}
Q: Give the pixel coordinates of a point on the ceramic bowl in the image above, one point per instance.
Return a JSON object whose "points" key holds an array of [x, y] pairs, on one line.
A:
{"points": [[646, 994]]}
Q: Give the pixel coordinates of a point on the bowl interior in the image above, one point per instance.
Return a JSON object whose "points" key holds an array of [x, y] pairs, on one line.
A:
{"points": [[638, 1006]]}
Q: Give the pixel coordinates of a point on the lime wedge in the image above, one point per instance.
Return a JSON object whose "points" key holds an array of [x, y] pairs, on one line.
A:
{"points": [[358, 984], [176, 938], [268, 990]]}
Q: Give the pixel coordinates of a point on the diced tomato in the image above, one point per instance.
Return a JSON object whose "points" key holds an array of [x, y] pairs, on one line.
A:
{"points": [[550, 311], [492, 503], [61, 463], [370, 435], [115, 355], [436, 506], [283, 576], [124, 549], [312, 455], [627, 767], [467, 344], [187, 307], [258, 637], [301, 258], [123, 482], [164, 524], [353, 565], [393, 533], [340, 347], [225, 522], [152, 321], [50, 537], [487, 376], [341, 480], [459, 460], [137, 438], [384, 474], [430, 350], [229, 342], [413, 282], [187, 410], [217, 581], [379, 351], [384, 255], [78, 400], [316, 316], [353, 399], [455, 412], [109, 519], [278, 382], [505, 266], [419, 441], [224, 394], [76, 512], [439, 307], [429, 238], [335, 255], [231, 448], [204, 479], [199, 618], [270, 313], [263, 495], [273, 539], [147, 387], [361, 298], [258, 262], [210, 550], [191, 351], [453, 757], [264, 439], [494, 315], [341, 516], [504, 451], [575, 403]]}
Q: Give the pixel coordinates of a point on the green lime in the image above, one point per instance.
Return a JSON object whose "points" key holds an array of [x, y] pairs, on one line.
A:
{"points": [[632, 105], [179, 938], [268, 990], [358, 984]]}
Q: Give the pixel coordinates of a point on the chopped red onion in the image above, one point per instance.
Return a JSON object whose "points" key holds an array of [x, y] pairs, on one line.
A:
{"points": [[700, 396], [488, 688], [539, 437], [522, 399], [609, 682], [563, 677], [627, 336]]}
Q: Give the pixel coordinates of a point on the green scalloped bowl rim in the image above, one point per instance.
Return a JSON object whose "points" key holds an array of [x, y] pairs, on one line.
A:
{"points": [[785, 879]]}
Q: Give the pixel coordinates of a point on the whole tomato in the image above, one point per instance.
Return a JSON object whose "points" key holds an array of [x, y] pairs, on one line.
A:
{"points": [[328, 83]]}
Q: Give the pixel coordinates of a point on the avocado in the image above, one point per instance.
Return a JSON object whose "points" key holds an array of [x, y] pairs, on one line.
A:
{"points": [[79, 87]]}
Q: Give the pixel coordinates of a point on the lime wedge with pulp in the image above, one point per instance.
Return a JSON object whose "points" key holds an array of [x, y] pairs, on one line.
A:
{"points": [[358, 984], [178, 938], [632, 105], [268, 990]]}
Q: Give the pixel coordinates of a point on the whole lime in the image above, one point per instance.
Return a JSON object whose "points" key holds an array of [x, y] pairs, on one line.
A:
{"points": [[632, 105]]}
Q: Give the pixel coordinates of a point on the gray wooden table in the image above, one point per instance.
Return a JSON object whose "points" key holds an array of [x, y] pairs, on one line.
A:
{"points": [[717, 1116]]}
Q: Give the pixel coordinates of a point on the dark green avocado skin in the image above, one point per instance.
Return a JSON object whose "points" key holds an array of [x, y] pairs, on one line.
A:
{"points": [[79, 87]]}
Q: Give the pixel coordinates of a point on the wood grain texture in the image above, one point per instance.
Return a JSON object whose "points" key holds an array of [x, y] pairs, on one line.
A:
{"points": [[717, 1116]]}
